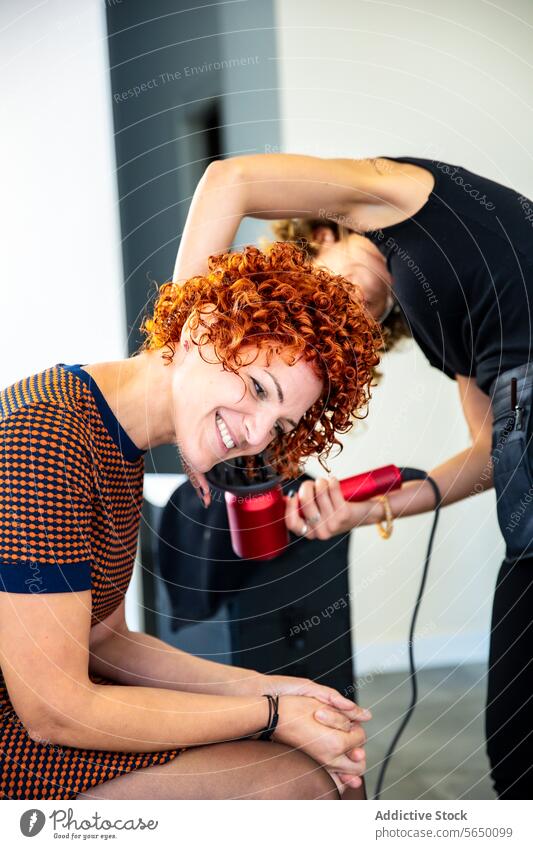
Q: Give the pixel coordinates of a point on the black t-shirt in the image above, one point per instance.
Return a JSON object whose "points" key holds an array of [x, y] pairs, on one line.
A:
{"points": [[462, 270]]}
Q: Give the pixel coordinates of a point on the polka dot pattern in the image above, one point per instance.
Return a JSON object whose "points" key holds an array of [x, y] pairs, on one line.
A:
{"points": [[70, 504]]}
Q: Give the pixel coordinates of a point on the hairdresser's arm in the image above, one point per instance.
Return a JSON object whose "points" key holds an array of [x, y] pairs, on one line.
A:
{"points": [[272, 186], [464, 474]]}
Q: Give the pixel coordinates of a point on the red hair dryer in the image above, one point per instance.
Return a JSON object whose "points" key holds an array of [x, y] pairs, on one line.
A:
{"points": [[256, 502]]}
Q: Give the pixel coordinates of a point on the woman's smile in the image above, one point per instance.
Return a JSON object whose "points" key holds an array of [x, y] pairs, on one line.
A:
{"points": [[224, 435], [241, 415]]}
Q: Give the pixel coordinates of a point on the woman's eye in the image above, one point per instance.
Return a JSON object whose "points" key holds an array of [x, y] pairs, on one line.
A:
{"points": [[258, 389], [279, 430]]}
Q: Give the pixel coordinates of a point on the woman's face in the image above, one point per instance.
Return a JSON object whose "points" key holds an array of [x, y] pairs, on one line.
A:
{"points": [[360, 262], [219, 414]]}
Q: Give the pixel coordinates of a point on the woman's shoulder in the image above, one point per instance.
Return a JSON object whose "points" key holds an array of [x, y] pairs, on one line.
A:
{"points": [[54, 385], [41, 403]]}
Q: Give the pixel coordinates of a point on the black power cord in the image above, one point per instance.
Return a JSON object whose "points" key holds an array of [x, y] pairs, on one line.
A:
{"points": [[412, 475]]}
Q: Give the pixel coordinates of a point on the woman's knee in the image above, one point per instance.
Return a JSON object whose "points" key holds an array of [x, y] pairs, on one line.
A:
{"points": [[247, 769], [294, 774], [254, 769]]}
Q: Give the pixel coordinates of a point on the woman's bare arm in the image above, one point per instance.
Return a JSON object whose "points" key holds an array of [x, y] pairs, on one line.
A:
{"points": [[465, 474], [44, 655], [134, 658], [271, 186], [45, 661]]}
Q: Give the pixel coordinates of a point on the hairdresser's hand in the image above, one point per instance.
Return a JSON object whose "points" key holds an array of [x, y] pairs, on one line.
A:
{"points": [[326, 512], [330, 745]]}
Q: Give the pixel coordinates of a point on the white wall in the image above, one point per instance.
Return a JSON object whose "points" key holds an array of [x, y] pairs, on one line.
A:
{"points": [[61, 259], [61, 293], [453, 81]]}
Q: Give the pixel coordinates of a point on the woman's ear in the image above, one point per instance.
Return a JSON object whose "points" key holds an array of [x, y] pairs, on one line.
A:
{"points": [[323, 235], [185, 335], [195, 325]]}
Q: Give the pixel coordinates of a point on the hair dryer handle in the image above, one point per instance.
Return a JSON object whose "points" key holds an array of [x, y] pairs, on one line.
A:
{"points": [[369, 484]]}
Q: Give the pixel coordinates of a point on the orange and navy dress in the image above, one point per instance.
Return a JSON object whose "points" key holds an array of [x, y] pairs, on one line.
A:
{"points": [[71, 485]]}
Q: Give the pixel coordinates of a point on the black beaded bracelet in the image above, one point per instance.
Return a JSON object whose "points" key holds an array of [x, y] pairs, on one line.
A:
{"points": [[273, 716]]}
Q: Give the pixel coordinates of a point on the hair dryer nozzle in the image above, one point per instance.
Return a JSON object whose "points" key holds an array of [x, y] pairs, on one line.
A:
{"points": [[256, 506], [256, 503], [243, 475]]}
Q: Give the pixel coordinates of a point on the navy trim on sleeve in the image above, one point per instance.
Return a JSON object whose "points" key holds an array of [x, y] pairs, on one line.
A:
{"points": [[35, 578], [129, 450]]}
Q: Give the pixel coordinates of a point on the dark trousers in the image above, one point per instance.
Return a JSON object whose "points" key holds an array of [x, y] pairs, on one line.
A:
{"points": [[509, 714], [509, 711]]}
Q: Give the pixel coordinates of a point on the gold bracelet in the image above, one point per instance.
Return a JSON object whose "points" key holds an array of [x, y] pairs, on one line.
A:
{"points": [[385, 530]]}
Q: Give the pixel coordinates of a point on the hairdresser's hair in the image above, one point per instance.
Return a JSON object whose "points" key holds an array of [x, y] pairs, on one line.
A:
{"points": [[300, 231], [279, 301]]}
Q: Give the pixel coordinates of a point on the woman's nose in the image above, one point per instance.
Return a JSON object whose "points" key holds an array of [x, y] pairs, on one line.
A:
{"points": [[259, 430]]}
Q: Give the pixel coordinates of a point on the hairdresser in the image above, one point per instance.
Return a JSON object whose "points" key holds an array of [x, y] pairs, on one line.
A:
{"points": [[444, 255]]}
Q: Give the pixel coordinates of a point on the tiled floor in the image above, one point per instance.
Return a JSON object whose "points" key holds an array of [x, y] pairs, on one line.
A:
{"points": [[441, 754]]}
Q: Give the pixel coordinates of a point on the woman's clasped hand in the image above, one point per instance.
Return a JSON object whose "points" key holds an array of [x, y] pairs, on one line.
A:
{"points": [[320, 721]]}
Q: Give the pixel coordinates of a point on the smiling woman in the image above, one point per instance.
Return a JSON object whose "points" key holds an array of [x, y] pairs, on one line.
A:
{"points": [[294, 348], [262, 350]]}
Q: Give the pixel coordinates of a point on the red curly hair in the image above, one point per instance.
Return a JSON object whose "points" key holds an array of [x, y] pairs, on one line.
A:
{"points": [[277, 300]]}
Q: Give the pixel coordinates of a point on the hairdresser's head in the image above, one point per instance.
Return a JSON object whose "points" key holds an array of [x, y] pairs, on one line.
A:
{"points": [[267, 350], [356, 259]]}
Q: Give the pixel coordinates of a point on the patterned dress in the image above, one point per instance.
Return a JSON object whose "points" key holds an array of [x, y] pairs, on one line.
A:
{"points": [[70, 499]]}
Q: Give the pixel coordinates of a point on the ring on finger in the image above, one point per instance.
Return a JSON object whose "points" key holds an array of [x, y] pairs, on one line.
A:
{"points": [[314, 520], [305, 528]]}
